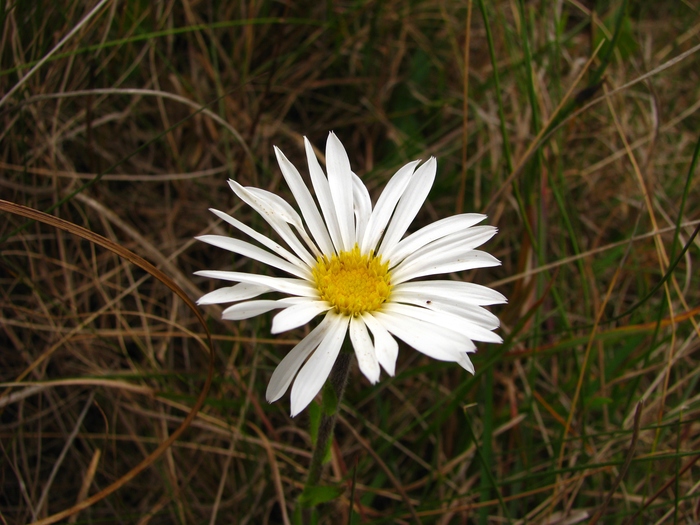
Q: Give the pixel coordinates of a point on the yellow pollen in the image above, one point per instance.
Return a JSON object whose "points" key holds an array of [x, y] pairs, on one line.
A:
{"points": [[353, 283]]}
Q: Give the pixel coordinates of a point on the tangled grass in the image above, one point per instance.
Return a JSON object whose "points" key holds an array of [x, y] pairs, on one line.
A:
{"points": [[574, 127]]}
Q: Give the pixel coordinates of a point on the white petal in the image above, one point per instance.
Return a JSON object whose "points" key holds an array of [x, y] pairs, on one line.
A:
{"points": [[428, 266], [340, 182], [275, 217], [409, 204], [248, 309], [447, 320], [451, 246], [281, 207], [314, 373], [231, 294], [385, 346], [430, 233], [278, 284], [466, 292], [364, 350], [323, 194], [253, 252], [306, 202], [434, 341], [289, 366], [466, 363], [470, 312], [385, 207], [259, 237], [298, 315], [362, 204], [288, 214]]}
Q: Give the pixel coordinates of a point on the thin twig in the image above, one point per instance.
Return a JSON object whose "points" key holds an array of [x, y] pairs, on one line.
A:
{"points": [[397, 484], [58, 46], [625, 465]]}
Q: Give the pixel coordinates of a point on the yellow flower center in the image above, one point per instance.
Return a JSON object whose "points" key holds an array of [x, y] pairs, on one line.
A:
{"points": [[353, 283]]}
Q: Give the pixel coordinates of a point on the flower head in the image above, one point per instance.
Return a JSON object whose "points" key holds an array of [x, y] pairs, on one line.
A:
{"points": [[351, 262]]}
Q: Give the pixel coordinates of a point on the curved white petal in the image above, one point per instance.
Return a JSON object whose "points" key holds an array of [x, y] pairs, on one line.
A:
{"points": [[364, 349], [259, 237], [248, 309], [409, 204], [281, 207], [466, 292], [253, 252], [230, 294], [289, 366], [274, 216], [466, 363], [430, 233], [428, 266], [315, 371], [323, 194], [362, 204], [451, 246], [386, 204], [470, 312], [288, 214], [298, 315], [278, 284], [432, 340], [385, 346], [305, 201], [340, 182], [446, 320]]}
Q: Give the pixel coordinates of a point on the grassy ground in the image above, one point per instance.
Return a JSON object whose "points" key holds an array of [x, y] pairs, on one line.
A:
{"points": [[573, 125]]}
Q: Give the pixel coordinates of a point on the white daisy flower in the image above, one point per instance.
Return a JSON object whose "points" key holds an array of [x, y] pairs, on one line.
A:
{"points": [[351, 263]]}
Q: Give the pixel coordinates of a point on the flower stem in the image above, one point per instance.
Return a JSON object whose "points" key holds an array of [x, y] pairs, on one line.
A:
{"points": [[338, 379]]}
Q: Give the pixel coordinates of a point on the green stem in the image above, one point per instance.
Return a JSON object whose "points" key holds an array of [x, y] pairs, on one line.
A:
{"points": [[337, 380]]}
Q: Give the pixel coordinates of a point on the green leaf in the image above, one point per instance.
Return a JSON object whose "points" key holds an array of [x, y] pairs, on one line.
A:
{"points": [[626, 42], [598, 402], [313, 496]]}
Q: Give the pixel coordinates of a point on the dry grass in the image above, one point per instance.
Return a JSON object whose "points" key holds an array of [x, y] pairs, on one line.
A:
{"points": [[130, 128]]}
